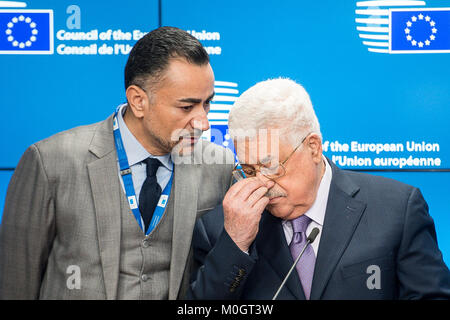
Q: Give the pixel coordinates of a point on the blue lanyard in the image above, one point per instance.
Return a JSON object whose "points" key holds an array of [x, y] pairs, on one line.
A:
{"points": [[125, 173]]}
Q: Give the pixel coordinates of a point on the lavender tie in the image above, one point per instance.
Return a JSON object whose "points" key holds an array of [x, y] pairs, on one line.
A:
{"points": [[305, 266]]}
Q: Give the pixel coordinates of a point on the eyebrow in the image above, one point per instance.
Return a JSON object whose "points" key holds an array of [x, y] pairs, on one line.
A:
{"points": [[195, 100]]}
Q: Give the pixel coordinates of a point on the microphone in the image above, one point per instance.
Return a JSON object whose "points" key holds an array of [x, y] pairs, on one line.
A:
{"points": [[312, 236]]}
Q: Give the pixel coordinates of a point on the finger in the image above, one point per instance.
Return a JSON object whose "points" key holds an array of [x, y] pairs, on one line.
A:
{"points": [[249, 189], [261, 204], [244, 188], [269, 184], [236, 188], [256, 195]]}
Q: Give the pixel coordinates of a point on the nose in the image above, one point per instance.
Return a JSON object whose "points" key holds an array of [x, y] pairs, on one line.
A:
{"points": [[200, 120], [268, 182]]}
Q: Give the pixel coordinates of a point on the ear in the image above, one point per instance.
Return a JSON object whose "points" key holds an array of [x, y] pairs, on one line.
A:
{"points": [[137, 100], [314, 143]]}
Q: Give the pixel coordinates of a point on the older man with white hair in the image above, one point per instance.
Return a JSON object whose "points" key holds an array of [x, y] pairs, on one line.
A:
{"points": [[376, 239]]}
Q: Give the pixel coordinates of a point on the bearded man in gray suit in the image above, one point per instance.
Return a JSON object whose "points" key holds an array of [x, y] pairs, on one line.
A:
{"points": [[75, 225]]}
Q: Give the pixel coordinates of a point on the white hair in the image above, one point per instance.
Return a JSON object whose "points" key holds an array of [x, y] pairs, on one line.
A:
{"points": [[279, 104]]}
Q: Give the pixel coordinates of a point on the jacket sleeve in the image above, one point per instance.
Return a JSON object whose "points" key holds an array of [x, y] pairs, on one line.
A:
{"points": [[220, 267], [27, 229], [421, 271]]}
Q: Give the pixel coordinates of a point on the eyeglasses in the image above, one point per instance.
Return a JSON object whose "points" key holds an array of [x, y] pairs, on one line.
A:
{"points": [[266, 168]]}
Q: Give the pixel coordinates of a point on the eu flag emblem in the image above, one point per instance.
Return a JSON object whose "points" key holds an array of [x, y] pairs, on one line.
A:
{"points": [[424, 30], [26, 31]]}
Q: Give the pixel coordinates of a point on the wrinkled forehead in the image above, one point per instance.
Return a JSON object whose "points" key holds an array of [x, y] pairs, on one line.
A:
{"points": [[261, 147]]}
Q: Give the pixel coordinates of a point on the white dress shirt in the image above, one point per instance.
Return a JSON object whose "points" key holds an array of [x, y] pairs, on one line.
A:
{"points": [[317, 211], [136, 154]]}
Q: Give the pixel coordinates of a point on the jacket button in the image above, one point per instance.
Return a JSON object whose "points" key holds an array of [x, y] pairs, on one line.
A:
{"points": [[145, 243], [144, 277]]}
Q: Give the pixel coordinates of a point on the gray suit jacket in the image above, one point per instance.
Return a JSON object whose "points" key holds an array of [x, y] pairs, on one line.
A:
{"points": [[63, 208]]}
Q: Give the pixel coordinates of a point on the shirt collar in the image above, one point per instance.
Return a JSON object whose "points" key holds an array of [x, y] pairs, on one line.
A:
{"points": [[136, 153], [319, 207]]}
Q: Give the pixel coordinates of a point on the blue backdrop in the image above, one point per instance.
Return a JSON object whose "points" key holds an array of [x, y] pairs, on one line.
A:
{"points": [[380, 111]]}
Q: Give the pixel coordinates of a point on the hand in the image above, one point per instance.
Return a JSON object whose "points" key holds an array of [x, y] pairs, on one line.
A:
{"points": [[243, 205]]}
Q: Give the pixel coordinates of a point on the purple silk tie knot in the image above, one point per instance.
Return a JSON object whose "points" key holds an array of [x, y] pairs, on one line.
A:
{"points": [[301, 223]]}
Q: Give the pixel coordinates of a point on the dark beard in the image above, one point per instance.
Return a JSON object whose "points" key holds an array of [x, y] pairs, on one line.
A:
{"points": [[164, 145], [167, 146]]}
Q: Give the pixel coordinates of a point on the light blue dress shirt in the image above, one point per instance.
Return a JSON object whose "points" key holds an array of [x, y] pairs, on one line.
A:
{"points": [[136, 154]]}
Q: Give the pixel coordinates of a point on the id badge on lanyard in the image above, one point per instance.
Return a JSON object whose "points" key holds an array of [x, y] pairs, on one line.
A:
{"points": [[125, 173]]}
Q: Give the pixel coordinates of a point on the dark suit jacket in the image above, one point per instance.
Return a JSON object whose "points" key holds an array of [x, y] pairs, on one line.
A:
{"points": [[369, 221]]}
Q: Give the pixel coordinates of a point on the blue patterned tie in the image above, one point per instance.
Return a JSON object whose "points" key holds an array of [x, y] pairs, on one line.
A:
{"points": [[305, 266], [150, 192]]}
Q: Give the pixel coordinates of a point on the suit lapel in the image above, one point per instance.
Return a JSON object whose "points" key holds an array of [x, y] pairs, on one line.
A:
{"points": [[186, 184], [106, 192], [342, 216], [271, 243]]}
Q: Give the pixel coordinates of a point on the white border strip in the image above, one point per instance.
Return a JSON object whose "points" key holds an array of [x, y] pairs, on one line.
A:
{"points": [[225, 84], [372, 20], [390, 3], [378, 50], [373, 29], [373, 12], [222, 107], [12, 4], [376, 44], [374, 36], [225, 90], [50, 26], [218, 116], [224, 98], [413, 51]]}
